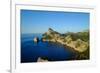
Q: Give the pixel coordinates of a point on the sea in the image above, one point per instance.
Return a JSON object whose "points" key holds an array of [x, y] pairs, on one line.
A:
{"points": [[31, 51]]}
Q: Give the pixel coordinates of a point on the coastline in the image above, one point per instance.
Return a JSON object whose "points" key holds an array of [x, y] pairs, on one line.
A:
{"points": [[65, 44], [78, 42]]}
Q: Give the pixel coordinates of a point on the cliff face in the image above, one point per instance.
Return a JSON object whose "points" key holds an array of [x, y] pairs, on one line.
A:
{"points": [[51, 35], [78, 41]]}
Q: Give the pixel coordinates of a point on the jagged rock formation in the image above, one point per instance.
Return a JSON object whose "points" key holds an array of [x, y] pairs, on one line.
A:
{"points": [[36, 39], [41, 60], [78, 41]]}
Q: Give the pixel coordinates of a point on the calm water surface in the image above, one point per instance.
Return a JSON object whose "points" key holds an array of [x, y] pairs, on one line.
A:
{"points": [[30, 51]]}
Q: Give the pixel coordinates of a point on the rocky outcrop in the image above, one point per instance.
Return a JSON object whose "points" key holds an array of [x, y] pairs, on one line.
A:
{"points": [[78, 41], [41, 60], [36, 39], [50, 35]]}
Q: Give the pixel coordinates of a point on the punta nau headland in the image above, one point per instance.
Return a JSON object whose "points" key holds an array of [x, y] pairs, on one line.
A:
{"points": [[77, 41]]}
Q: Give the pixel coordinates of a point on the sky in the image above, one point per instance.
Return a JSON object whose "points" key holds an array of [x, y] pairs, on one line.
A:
{"points": [[35, 21]]}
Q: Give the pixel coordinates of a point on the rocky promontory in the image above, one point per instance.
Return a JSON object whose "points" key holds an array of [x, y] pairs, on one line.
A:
{"points": [[78, 41]]}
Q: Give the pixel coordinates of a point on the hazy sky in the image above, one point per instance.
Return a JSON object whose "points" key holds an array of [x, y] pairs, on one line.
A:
{"points": [[33, 21]]}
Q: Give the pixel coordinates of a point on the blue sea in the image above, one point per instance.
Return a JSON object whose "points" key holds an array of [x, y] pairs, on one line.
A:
{"points": [[31, 51]]}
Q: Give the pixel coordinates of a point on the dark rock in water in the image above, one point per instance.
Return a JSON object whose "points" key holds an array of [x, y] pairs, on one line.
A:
{"points": [[36, 39]]}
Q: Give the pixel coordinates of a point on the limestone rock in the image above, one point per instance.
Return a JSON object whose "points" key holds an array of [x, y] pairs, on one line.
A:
{"points": [[36, 39], [77, 41], [41, 60]]}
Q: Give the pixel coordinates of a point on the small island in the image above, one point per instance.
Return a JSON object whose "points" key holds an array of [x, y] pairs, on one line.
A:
{"points": [[36, 39], [78, 41]]}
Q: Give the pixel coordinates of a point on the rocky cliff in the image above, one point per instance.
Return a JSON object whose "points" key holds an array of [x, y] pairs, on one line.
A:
{"points": [[78, 41]]}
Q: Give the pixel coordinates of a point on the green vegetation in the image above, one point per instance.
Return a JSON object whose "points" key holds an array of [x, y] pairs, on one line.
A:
{"points": [[84, 36], [84, 55], [78, 41]]}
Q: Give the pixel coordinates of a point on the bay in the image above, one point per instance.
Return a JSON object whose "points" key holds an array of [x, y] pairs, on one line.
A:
{"points": [[31, 51]]}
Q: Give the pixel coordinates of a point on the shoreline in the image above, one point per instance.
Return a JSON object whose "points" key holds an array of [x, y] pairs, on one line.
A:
{"points": [[64, 44], [80, 55]]}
